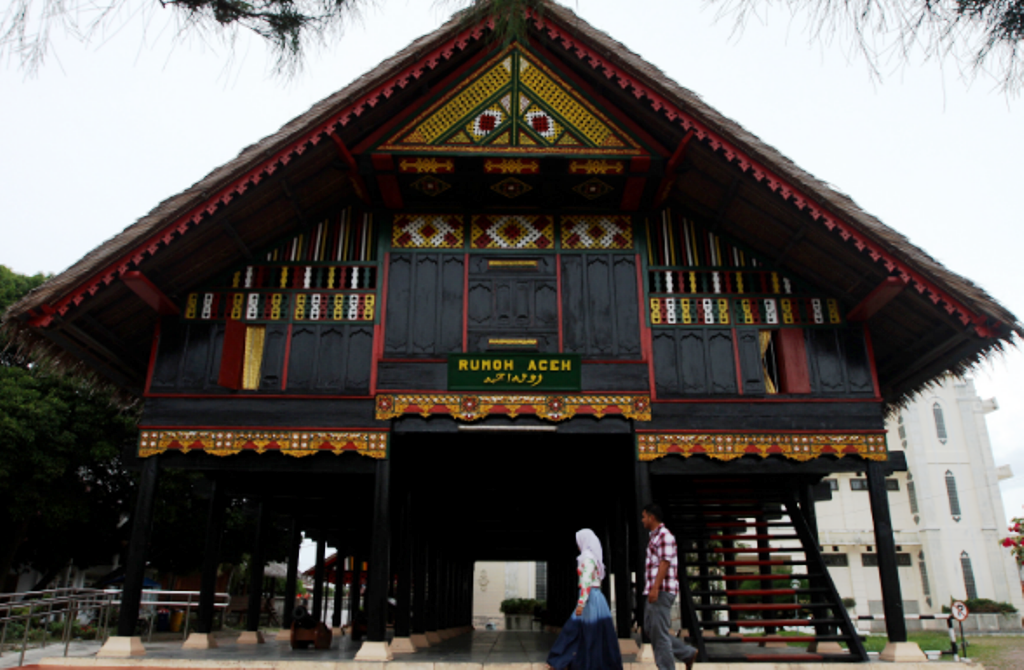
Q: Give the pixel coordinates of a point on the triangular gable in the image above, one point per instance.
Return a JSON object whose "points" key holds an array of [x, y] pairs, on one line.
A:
{"points": [[514, 103], [698, 277]]}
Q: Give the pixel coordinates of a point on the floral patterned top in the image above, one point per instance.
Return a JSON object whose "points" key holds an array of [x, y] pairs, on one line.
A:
{"points": [[587, 572]]}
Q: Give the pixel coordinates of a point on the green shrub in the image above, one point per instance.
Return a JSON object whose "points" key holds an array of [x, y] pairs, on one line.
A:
{"points": [[521, 605], [985, 606]]}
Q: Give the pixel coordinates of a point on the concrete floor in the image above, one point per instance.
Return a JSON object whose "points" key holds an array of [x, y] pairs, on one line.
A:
{"points": [[500, 650]]}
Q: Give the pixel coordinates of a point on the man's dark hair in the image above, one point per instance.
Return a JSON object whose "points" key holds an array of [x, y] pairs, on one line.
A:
{"points": [[654, 509]]}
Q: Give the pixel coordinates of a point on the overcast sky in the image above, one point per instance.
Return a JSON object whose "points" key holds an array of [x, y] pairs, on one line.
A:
{"points": [[105, 132]]}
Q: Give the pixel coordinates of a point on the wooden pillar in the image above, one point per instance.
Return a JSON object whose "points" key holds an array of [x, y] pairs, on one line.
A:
{"points": [[885, 545], [380, 571], [292, 577], [403, 585], [256, 566], [644, 496], [135, 568], [339, 588], [433, 589], [419, 585], [355, 594], [211, 558], [620, 568], [319, 573]]}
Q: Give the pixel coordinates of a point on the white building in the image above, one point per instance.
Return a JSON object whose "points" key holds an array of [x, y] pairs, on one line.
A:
{"points": [[947, 512]]}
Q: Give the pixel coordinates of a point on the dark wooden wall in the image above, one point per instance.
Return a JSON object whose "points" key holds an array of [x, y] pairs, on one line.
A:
{"points": [[702, 361], [327, 358]]}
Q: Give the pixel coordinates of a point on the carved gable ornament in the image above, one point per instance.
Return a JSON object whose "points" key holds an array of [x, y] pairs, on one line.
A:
{"points": [[513, 104]]}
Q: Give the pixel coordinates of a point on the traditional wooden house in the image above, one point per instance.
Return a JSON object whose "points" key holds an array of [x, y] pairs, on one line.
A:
{"points": [[539, 273]]}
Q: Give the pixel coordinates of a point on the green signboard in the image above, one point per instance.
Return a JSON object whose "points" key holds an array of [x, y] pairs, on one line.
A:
{"points": [[500, 371]]}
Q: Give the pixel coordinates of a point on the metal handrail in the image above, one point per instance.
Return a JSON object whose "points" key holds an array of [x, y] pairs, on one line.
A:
{"points": [[70, 603]]}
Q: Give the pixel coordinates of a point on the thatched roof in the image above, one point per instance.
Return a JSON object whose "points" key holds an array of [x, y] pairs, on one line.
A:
{"points": [[941, 323]]}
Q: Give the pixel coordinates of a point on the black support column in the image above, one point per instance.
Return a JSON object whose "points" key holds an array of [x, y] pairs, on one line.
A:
{"points": [[211, 559], [319, 572], [885, 544], [135, 568], [380, 571], [644, 496], [292, 577], [419, 586], [620, 568], [256, 566], [403, 596], [355, 594], [339, 588]]}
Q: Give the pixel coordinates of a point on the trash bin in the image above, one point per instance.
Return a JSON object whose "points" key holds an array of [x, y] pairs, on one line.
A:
{"points": [[163, 621], [176, 620]]}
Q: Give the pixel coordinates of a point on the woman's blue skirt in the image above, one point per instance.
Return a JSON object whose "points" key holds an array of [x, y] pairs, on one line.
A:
{"points": [[588, 642]]}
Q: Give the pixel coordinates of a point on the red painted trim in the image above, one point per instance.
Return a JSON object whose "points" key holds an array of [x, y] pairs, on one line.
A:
{"points": [[149, 293], [558, 297], [736, 359], [382, 162], [250, 395], [389, 191], [690, 431], [646, 345], [401, 117], [152, 356], [376, 429], [794, 370], [879, 297], [287, 358], [380, 331], [871, 359], [232, 357], [640, 164], [665, 187], [414, 360], [357, 179], [633, 193], [465, 303], [683, 401], [571, 41]]}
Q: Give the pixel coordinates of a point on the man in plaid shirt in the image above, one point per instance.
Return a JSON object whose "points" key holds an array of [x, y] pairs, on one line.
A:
{"points": [[662, 589]]}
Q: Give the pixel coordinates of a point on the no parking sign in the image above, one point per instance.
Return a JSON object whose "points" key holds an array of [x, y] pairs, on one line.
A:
{"points": [[959, 611]]}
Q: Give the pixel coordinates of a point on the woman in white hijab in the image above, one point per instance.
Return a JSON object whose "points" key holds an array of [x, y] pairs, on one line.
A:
{"points": [[588, 640]]}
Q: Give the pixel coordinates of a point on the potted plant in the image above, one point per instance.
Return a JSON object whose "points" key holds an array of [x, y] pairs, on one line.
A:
{"points": [[519, 612]]}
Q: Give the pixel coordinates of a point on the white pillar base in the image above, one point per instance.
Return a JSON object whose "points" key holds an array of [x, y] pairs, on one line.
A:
{"points": [[433, 638], [374, 651], [644, 653], [902, 652], [122, 646], [200, 641], [628, 646], [827, 648], [251, 637], [402, 645], [419, 640]]}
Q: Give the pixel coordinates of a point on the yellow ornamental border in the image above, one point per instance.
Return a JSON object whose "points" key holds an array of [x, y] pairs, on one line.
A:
{"points": [[730, 446], [472, 407], [298, 443]]}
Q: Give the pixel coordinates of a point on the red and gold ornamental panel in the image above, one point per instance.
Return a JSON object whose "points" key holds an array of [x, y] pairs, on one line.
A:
{"points": [[727, 446], [289, 442], [471, 407]]}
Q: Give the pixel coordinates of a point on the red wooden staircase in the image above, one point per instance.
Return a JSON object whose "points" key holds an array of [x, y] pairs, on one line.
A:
{"points": [[755, 574]]}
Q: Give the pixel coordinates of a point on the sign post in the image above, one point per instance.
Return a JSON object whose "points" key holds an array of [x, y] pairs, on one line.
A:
{"points": [[960, 612]]}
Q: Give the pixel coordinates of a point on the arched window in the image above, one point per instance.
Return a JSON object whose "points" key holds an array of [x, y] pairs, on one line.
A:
{"points": [[965, 564], [954, 499], [912, 492], [940, 422]]}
